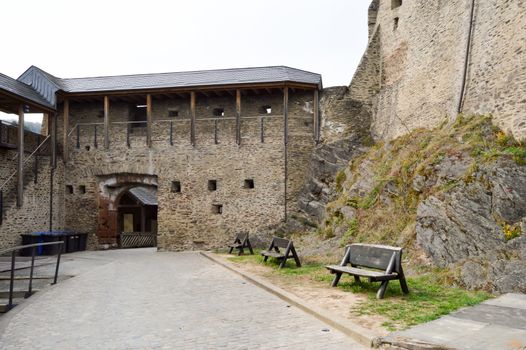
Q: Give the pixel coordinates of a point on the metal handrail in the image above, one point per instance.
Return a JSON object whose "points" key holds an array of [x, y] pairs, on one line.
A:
{"points": [[13, 260], [24, 162]]}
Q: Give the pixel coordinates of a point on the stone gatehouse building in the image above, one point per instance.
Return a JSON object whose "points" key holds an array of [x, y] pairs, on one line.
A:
{"points": [[191, 156]]}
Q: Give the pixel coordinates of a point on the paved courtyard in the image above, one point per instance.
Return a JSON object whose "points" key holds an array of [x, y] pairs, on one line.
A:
{"points": [[141, 299]]}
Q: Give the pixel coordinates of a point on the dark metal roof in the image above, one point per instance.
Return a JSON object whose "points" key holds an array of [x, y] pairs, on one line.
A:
{"points": [[144, 195], [41, 87], [233, 76], [44, 83], [23, 91]]}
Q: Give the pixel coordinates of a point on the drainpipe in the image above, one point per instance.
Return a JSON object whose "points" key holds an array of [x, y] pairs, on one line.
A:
{"points": [[466, 59]]}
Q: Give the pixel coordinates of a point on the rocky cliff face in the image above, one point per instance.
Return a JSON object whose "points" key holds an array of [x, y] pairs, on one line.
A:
{"points": [[474, 225], [346, 135], [454, 197]]}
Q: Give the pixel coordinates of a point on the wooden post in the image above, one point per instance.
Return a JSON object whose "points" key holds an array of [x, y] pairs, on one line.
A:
{"points": [[316, 107], [285, 144], [106, 122], [143, 219], [20, 173], [238, 116], [286, 115], [53, 130], [192, 112], [149, 120], [66, 130]]}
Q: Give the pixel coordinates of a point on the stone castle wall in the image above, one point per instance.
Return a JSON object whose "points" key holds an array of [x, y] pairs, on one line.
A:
{"points": [[186, 220], [419, 51], [34, 215]]}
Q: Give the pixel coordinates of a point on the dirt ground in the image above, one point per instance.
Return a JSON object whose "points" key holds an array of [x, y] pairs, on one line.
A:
{"points": [[316, 293]]}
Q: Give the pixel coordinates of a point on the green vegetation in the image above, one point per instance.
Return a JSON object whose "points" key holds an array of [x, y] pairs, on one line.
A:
{"points": [[430, 296], [387, 213], [427, 301]]}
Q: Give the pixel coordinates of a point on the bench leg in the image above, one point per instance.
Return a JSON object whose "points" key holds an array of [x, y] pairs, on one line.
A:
{"points": [[265, 258], [241, 251], [283, 262], [250, 248], [403, 285], [230, 251], [356, 279], [336, 279], [381, 291]]}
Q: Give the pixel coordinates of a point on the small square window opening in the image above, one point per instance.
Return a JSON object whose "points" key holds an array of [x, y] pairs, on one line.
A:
{"points": [[249, 183], [395, 4], [69, 189], [219, 112], [217, 209], [265, 109], [82, 189], [176, 187], [212, 185], [173, 113]]}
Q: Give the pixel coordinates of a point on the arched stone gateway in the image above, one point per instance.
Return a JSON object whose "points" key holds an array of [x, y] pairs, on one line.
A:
{"points": [[113, 189]]}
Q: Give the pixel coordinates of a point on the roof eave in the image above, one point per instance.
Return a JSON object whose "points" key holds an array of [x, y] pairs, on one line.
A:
{"points": [[280, 84]]}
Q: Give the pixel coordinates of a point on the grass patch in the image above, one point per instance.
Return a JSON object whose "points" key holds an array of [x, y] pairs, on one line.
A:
{"points": [[426, 301], [430, 297]]}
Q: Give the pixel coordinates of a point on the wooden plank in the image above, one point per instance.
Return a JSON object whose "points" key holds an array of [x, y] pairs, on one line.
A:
{"points": [[285, 148], [192, 113], [371, 256], [149, 120], [316, 107], [106, 122], [238, 116], [281, 242], [359, 272], [65, 139], [20, 173]]}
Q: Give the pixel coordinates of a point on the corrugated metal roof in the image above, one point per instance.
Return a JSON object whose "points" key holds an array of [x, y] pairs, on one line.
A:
{"points": [[24, 91], [145, 195], [190, 79]]}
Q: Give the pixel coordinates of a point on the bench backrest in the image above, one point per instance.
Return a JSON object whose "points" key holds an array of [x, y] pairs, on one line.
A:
{"points": [[374, 256], [280, 242], [241, 237]]}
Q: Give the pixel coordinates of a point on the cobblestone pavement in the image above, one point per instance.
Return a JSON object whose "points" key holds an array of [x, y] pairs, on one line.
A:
{"points": [[147, 300]]}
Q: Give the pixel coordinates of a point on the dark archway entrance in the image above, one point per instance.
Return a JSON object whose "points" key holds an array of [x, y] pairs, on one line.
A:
{"points": [[137, 217], [117, 189]]}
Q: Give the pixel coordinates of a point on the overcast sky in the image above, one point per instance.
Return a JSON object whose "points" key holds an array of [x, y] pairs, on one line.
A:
{"points": [[112, 37]]}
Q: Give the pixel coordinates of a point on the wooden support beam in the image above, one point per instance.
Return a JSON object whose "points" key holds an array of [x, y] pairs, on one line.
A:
{"points": [[53, 130], [106, 122], [65, 130], [285, 148], [143, 218], [316, 116], [192, 113], [149, 120], [286, 115], [238, 116], [20, 172]]}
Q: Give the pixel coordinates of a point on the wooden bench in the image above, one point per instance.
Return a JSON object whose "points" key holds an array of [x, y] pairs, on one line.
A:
{"points": [[274, 252], [240, 243], [382, 263]]}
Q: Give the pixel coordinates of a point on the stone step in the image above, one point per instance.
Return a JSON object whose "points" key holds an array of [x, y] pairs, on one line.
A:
{"points": [[4, 294]]}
